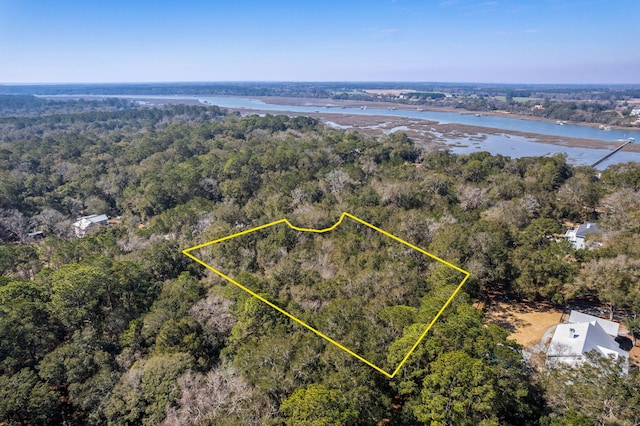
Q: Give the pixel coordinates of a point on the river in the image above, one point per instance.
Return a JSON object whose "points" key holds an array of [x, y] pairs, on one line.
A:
{"points": [[513, 146], [506, 123]]}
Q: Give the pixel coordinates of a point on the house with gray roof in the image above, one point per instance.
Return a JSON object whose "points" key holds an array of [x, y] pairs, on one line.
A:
{"points": [[577, 235], [85, 224]]}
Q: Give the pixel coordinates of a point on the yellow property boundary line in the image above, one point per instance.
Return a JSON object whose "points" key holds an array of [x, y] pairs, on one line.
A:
{"points": [[188, 251]]}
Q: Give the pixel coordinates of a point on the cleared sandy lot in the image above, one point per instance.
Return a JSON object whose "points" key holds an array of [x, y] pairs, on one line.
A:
{"points": [[527, 322]]}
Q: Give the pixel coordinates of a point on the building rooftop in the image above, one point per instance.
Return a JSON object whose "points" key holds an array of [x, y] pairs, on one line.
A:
{"points": [[577, 235], [571, 342], [610, 327], [85, 223], [587, 228]]}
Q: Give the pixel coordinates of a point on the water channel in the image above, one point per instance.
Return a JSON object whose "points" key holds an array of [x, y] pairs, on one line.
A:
{"points": [[513, 146]]}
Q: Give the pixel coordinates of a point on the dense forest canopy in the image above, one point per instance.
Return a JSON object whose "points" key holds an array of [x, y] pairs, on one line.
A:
{"points": [[32, 106], [118, 327]]}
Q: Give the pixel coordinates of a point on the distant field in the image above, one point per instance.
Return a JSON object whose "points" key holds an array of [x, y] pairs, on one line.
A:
{"points": [[387, 92], [518, 99]]}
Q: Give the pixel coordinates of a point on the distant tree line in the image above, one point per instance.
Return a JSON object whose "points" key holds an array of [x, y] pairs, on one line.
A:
{"points": [[32, 106], [326, 89]]}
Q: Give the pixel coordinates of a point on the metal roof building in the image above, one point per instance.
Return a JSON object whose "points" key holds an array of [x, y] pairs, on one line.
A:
{"points": [[571, 343]]}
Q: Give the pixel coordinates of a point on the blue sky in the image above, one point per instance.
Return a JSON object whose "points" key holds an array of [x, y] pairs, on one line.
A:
{"points": [[509, 41]]}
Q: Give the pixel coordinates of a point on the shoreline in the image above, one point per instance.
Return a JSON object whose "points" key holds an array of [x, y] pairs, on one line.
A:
{"points": [[432, 133], [334, 103], [323, 102]]}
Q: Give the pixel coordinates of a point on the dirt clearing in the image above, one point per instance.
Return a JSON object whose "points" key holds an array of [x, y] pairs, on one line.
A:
{"points": [[526, 322]]}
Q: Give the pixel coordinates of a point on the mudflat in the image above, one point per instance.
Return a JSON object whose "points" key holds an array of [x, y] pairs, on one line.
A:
{"points": [[339, 103], [430, 133], [423, 132]]}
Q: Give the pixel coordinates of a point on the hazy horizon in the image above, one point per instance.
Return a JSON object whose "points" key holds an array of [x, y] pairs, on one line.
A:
{"points": [[583, 42], [395, 82]]}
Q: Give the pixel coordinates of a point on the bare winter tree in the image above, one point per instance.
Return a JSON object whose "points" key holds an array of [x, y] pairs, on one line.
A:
{"points": [[368, 166], [531, 204], [13, 224], [222, 396], [47, 220], [337, 181], [621, 209], [214, 312], [613, 280], [472, 197]]}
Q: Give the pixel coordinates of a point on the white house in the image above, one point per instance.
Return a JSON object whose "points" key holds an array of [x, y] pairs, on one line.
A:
{"points": [[85, 224], [577, 235], [610, 327], [571, 342]]}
